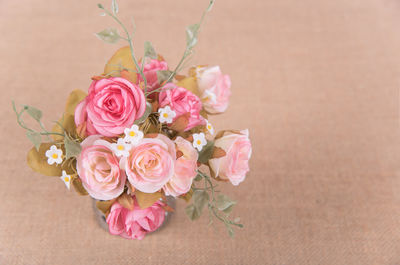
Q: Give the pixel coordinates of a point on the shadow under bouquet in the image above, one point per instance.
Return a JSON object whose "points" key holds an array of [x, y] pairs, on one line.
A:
{"points": [[141, 133]]}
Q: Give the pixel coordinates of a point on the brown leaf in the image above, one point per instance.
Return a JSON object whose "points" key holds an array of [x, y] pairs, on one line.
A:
{"points": [[218, 152], [126, 201], [179, 77], [77, 183], [146, 200], [105, 206], [223, 132], [168, 208], [187, 196], [179, 154], [37, 160], [181, 122], [154, 106]]}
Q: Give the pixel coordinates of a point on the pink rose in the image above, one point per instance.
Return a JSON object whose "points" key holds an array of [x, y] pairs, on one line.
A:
{"points": [[182, 101], [215, 88], [151, 163], [112, 105], [137, 223], [150, 72], [185, 169], [99, 170], [235, 165]]}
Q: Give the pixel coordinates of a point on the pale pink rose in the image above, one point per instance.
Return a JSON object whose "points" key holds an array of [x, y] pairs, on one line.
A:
{"points": [[99, 170], [215, 88], [185, 169], [235, 165], [150, 72], [150, 164], [182, 101], [112, 105], [136, 223]]}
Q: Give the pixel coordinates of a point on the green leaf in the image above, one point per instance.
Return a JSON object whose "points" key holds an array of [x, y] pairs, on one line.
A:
{"points": [[33, 112], [225, 204], [146, 114], [231, 232], [191, 35], [163, 75], [100, 6], [191, 212], [200, 199], [206, 152], [72, 148], [198, 177], [149, 51], [35, 138], [114, 7], [108, 35]]}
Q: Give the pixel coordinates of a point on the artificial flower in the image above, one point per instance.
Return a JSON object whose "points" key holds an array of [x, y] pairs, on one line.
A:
{"points": [[54, 155], [150, 164], [199, 141], [98, 168], [136, 223], [182, 101], [214, 88], [112, 105], [121, 148], [133, 135], [66, 179], [166, 115], [185, 169], [235, 164]]}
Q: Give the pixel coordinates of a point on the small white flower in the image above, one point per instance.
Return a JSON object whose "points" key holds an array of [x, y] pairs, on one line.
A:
{"points": [[133, 135], [121, 148], [166, 115], [199, 140], [54, 155], [66, 178], [210, 128]]}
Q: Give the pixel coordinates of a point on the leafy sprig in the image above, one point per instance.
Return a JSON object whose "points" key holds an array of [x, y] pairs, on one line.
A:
{"points": [[219, 205], [72, 147]]}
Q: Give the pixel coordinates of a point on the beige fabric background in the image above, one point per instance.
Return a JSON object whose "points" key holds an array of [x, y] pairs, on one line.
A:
{"points": [[316, 82]]}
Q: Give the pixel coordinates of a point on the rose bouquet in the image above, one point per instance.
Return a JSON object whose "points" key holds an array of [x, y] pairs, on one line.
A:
{"points": [[141, 133]]}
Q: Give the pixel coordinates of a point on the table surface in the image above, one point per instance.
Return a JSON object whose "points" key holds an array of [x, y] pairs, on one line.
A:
{"points": [[316, 82]]}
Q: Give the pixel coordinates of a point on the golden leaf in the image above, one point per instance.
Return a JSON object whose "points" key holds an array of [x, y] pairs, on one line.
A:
{"points": [[122, 58], [105, 206], [75, 97], [126, 201], [37, 160], [190, 84], [68, 120], [77, 183], [146, 200]]}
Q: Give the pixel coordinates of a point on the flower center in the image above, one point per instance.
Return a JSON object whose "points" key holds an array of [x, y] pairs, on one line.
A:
{"points": [[209, 127], [120, 147], [66, 179], [198, 142], [132, 134], [55, 156], [165, 115]]}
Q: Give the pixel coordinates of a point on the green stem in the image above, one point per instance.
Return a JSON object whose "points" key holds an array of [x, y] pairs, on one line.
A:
{"points": [[129, 40]]}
